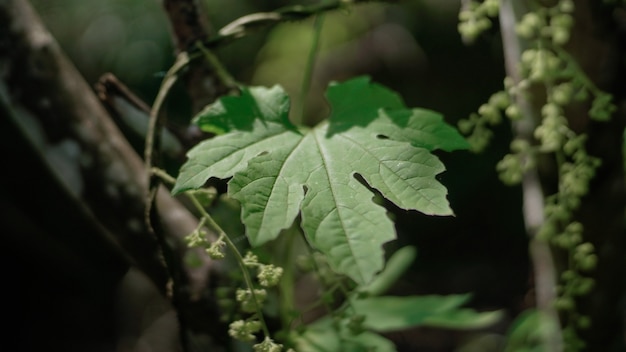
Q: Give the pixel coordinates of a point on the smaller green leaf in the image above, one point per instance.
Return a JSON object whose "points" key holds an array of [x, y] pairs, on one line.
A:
{"points": [[323, 336], [531, 331], [397, 264], [421, 127], [388, 313], [357, 102], [464, 318], [231, 113]]}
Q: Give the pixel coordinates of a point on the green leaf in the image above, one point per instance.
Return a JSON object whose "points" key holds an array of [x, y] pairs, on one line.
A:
{"points": [[397, 264], [532, 330], [278, 171], [323, 336], [390, 313]]}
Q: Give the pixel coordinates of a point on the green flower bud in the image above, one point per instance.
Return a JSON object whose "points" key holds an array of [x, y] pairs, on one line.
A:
{"points": [[269, 275], [585, 248], [250, 260], [215, 250], [242, 330], [511, 170], [490, 113], [563, 94], [576, 227], [508, 82], [513, 112], [519, 145], [499, 100], [244, 297], [564, 304], [584, 286], [196, 239], [560, 35], [268, 345], [491, 7], [566, 6], [602, 108], [528, 26], [465, 126], [588, 263], [547, 231], [562, 21], [568, 275]]}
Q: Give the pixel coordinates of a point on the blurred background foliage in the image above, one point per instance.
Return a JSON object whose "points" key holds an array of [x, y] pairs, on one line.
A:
{"points": [[411, 46]]}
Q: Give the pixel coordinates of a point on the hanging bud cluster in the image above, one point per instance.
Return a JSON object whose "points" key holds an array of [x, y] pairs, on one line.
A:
{"points": [[546, 67]]}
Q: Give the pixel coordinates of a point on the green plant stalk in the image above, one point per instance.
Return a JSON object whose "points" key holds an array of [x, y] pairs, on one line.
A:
{"points": [[246, 274], [310, 65], [220, 70], [152, 138], [152, 148], [163, 175]]}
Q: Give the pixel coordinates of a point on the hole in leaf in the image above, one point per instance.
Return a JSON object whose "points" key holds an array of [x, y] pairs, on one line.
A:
{"points": [[382, 136], [305, 189]]}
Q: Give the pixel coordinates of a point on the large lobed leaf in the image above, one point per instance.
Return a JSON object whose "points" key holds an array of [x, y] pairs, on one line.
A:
{"points": [[279, 171]]}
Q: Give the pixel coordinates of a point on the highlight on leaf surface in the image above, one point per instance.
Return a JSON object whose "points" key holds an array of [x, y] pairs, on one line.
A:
{"points": [[279, 171]]}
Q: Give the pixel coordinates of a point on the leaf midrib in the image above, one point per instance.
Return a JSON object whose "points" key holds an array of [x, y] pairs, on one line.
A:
{"points": [[332, 190]]}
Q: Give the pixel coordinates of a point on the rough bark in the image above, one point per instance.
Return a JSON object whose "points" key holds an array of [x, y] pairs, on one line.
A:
{"points": [[99, 180]]}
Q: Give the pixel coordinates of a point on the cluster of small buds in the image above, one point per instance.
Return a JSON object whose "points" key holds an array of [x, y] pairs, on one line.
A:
{"points": [[198, 238], [489, 114], [269, 275], [246, 297], [552, 23], [553, 131], [574, 285], [475, 18], [268, 345], [585, 257], [512, 167], [250, 260], [216, 249], [576, 175], [602, 107], [547, 64], [570, 237], [539, 65], [244, 330]]}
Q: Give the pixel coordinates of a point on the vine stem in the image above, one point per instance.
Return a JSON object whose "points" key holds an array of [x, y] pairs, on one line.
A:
{"points": [[151, 152], [244, 270], [310, 65]]}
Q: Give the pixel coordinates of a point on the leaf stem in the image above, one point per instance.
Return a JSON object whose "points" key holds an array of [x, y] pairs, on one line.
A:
{"points": [[163, 175], [310, 65], [244, 270], [220, 70]]}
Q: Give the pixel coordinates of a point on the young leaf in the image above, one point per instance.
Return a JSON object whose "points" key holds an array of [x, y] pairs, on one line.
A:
{"points": [[389, 313], [323, 336], [278, 171]]}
